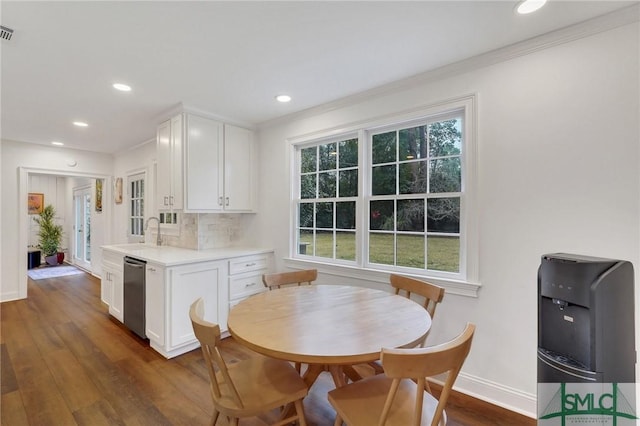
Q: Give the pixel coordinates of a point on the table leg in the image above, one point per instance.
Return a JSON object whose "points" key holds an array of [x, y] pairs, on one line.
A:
{"points": [[311, 374], [351, 373], [337, 372]]}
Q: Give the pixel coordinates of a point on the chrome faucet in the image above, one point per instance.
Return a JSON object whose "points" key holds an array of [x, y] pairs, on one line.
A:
{"points": [[158, 238]]}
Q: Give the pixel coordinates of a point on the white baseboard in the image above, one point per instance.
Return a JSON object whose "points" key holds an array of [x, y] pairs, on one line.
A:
{"points": [[10, 295], [497, 394]]}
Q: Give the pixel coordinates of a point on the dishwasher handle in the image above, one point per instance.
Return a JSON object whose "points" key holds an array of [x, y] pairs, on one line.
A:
{"points": [[134, 263]]}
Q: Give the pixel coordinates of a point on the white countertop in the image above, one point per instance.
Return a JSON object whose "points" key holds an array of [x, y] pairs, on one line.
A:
{"points": [[171, 256]]}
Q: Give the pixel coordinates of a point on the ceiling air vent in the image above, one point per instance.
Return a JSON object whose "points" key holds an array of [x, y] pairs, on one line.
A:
{"points": [[5, 33]]}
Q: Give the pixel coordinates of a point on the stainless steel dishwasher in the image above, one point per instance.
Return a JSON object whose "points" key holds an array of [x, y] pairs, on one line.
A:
{"points": [[134, 295]]}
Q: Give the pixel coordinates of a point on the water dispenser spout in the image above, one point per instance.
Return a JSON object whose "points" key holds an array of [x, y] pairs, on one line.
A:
{"points": [[561, 303]]}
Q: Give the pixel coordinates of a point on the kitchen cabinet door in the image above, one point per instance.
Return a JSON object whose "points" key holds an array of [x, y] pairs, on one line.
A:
{"points": [[169, 176], [188, 283], [155, 304], [114, 276], [112, 283], [203, 150], [105, 288], [239, 169]]}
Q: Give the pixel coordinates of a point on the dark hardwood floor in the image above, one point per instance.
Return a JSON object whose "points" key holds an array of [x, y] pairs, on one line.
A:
{"points": [[65, 361]]}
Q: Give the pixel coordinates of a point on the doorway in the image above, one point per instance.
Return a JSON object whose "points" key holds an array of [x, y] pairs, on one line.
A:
{"points": [[82, 227]]}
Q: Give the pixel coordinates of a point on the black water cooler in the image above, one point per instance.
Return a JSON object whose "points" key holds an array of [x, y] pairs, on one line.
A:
{"points": [[585, 320]]}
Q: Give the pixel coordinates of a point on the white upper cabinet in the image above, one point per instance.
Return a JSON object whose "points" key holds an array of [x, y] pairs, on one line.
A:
{"points": [[207, 165], [203, 164], [239, 169], [169, 173]]}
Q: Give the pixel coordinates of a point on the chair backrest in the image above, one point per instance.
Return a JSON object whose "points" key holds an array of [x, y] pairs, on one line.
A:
{"points": [[420, 363], [208, 334], [431, 293], [306, 276]]}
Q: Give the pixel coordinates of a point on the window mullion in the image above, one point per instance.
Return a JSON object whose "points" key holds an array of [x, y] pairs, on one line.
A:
{"points": [[364, 193]]}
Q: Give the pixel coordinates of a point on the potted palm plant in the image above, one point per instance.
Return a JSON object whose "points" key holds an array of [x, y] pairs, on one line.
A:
{"points": [[50, 234]]}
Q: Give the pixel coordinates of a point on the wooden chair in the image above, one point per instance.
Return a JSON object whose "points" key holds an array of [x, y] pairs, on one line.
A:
{"points": [[398, 397], [249, 388], [305, 276], [430, 293]]}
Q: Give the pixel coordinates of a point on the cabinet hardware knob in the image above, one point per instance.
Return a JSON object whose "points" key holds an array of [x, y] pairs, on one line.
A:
{"points": [[219, 201], [166, 201], [250, 285], [152, 269], [250, 264], [227, 201]]}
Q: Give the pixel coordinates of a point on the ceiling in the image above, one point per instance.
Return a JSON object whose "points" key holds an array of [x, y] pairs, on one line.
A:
{"points": [[232, 58]]}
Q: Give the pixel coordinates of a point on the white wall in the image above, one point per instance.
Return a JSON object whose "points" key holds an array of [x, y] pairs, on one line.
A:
{"points": [[139, 159], [54, 190], [558, 163], [18, 159]]}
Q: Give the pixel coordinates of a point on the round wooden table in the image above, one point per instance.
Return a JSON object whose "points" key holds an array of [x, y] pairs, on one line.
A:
{"points": [[327, 326]]}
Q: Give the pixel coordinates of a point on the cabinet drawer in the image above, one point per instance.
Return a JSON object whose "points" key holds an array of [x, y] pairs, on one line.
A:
{"points": [[246, 285], [241, 265]]}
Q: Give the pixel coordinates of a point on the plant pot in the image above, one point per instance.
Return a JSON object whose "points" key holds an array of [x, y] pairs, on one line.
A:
{"points": [[51, 260], [60, 257]]}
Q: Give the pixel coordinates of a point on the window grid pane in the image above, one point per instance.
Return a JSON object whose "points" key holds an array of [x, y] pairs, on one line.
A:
{"points": [[420, 232], [136, 207], [328, 185]]}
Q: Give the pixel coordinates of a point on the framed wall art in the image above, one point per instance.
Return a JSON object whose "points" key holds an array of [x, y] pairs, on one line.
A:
{"points": [[118, 191], [35, 203], [99, 183]]}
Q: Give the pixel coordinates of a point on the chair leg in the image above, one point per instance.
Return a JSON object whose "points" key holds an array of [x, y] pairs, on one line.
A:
{"points": [[214, 418], [302, 421], [338, 421]]}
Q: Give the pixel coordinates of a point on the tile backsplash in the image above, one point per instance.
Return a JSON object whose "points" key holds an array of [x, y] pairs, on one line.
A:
{"points": [[201, 231]]}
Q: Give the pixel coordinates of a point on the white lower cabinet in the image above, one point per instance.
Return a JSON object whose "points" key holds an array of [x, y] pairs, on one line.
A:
{"points": [[154, 305], [170, 291], [105, 287], [112, 290], [245, 276]]}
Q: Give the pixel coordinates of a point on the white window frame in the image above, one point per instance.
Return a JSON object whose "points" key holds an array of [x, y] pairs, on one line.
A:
{"points": [[134, 176], [296, 190], [368, 196], [464, 282]]}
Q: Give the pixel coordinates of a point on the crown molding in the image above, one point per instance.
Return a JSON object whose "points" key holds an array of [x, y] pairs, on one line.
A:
{"points": [[599, 24], [181, 108]]}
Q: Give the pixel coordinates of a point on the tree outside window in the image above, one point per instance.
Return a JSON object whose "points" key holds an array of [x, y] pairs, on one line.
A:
{"points": [[416, 185], [326, 212]]}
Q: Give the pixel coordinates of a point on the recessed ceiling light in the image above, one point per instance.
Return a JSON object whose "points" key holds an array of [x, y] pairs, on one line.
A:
{"points": [[80, 124], [528, 6], [56, 143], [283, 98], [122, 87]]}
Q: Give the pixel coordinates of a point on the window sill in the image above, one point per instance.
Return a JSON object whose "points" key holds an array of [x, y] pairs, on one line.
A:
{"points": [[461, 288]]}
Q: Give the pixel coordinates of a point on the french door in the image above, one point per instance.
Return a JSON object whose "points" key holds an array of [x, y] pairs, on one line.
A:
{"points": [[82, 227]]}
